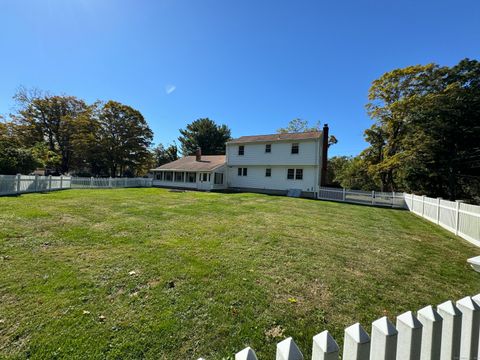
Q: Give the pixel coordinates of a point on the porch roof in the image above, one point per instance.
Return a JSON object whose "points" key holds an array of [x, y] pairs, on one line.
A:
{"points": [[189, 163]]}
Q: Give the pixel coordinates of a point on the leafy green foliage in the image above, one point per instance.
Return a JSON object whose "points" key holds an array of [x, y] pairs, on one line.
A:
{"points": [[427, 130], [164, 155], [69, 136], [299, 125], [204, 134], [124, 138]]}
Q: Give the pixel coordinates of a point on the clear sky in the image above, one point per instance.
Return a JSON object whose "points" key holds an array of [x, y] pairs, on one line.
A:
{"points": [[251, 64]]}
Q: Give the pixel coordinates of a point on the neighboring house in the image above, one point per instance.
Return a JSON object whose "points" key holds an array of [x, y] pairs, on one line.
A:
{"points": [[198, 172], [274, 164]]}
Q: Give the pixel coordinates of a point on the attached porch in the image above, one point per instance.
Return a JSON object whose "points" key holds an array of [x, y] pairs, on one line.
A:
{"points": [[195, 180]]}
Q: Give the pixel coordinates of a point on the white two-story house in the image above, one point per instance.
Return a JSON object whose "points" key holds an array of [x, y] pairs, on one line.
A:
{"points": [[278, 163], [274, 164]]}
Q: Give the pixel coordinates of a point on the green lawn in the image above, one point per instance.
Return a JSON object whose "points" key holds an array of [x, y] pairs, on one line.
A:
{"points": [[147, 273]]}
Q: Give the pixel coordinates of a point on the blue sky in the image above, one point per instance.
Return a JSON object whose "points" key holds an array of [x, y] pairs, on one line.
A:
{"points": [[251, 64]]}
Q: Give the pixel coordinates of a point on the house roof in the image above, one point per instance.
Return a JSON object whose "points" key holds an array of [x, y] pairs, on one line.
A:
{"points": [[189, 163], [277, 137]]}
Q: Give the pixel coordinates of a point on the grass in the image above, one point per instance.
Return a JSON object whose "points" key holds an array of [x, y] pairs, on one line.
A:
{"points": [[147, 273]]}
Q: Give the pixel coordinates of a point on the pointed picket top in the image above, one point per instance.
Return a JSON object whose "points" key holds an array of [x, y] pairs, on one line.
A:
{"points": [[468, 303], [288, 350], [384, 326], [325, 342], [476, 298], [409, 320], [246, 354], [449, 308], [357, 333], [429, 313]]}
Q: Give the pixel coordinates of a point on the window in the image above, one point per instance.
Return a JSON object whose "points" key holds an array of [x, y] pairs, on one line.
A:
{"points": [[295, 148], [268, 148], [242, 172], [299, 174], [218, 178], [179, 176], [241, 150], [290, 174], [268, 172], [168, 176], [159, 176], [204, 177], [191, 177]]}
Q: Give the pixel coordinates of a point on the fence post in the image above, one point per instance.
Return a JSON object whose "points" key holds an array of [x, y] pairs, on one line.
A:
{"points": [[288, 350], [393, 198], [373, 197], [91, 182], [19, 178], [125, 182], [470, 328], [246, 354], [36, 182], [61, 182], [423, 205], [384, 340], [451, 330], [409, 336], [49, 182], [324, 347], [431, 333], [438, 210], [457, 216], [356, 343], [110, 182], [344, 194]]}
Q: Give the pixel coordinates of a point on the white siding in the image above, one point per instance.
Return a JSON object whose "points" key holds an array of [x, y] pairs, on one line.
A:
{"points": [[254, 154], [256, 178]]}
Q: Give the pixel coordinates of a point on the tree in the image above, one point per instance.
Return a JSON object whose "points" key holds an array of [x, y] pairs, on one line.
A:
{"points": [[426, 131], [204, 134], [54, 120], [350, 173], [124, 137], [164, 155], [299, 125]]}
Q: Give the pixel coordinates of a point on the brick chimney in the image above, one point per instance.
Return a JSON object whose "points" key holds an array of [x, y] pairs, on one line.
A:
{"points": [[323, 175], [198, 154]]}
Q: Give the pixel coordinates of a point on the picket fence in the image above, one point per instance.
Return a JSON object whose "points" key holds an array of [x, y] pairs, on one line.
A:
{"points": [[376, 198], [21, 184], [460, 218], [451, 331]]}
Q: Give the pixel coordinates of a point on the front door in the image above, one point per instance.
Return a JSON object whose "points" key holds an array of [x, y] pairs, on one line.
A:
{"points": [[204, 181]]}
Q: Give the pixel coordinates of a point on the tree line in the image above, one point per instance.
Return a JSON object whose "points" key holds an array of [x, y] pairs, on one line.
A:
{"points": [[425, 137], [64, 135]]}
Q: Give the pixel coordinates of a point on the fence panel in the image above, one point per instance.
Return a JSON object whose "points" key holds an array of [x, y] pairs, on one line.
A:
{"points": [[20, 184], [388, 199], [460, 218]]}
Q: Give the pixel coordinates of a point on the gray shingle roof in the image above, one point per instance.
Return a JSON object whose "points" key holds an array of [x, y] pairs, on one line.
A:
{"points": [[189, 163], [276, 137]]}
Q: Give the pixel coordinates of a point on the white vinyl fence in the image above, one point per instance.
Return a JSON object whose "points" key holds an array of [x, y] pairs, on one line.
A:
{"points": [[389, 199], [451, 331], [460, 218], [108, 183], [21, 184]]}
